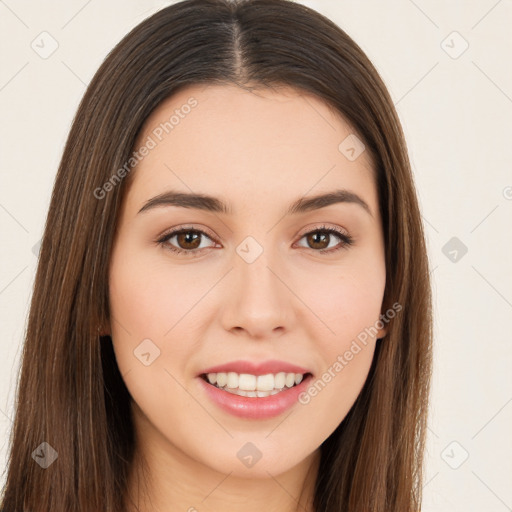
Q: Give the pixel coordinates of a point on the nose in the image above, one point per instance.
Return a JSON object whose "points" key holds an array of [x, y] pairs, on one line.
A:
{"points": [[258, 302]]}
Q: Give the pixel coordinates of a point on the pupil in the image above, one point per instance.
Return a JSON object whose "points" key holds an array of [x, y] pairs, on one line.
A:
{"points": [[187, 238], [321, 236]]}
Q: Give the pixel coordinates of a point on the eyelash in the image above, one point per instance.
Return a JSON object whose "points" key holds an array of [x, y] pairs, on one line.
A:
{"points": [[346, 239]]}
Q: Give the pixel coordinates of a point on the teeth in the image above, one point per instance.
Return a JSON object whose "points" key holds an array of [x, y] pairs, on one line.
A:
{"points": [[264, 382], [279, 380], [232, 380], [221, 378], [245, 384], [290, 380]]}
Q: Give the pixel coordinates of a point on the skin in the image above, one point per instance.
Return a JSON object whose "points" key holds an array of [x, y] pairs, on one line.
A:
{"points": [[258, 151]]}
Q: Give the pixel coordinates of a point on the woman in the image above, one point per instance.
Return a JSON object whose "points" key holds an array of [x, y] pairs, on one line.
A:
{"points": [[232, 304]]}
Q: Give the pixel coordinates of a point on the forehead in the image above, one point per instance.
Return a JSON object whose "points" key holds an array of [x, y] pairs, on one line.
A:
{"points": [[225, 140]]}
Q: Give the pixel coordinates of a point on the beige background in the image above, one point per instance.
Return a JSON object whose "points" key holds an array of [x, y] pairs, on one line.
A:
{"points": [[456, 110]]}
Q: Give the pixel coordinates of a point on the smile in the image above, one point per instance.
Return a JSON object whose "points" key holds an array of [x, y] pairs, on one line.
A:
{"points": [[268, 395]]}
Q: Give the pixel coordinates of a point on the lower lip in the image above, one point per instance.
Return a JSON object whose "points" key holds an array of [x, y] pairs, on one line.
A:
{"points": [[255, 407]]}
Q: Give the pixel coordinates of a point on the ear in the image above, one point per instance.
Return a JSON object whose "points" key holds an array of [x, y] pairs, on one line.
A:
{"points": [[382, 332], [383, 324]]}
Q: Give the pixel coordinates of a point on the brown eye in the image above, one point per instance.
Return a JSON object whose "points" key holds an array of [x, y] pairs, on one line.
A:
{"points": [[188, 241], [319, 239]]}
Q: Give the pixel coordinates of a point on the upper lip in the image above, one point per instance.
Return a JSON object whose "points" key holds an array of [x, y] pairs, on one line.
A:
{"points": [[254, 368]]}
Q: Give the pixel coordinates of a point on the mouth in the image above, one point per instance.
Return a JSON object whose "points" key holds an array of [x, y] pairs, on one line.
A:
{"points": [[254, 386]]}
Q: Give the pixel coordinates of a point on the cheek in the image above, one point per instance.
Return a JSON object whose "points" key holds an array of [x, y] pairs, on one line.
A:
{"points": [[331, 394], [149, 340], [344, 301], [142, 310], [146, 297], [154, 309]]}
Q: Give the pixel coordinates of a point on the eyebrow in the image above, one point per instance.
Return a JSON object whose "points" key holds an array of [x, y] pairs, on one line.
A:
{"points": [[214, 204]]}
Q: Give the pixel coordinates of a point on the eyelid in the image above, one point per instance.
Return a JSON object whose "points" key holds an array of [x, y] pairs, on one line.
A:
{"points": [[322, 226], [187, 227]]}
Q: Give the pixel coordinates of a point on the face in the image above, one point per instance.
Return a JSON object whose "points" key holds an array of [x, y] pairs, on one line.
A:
{"points": [[250, 293]]}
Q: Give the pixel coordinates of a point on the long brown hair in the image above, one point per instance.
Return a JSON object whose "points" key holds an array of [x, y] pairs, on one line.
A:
{"points": [[71, 394]]}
